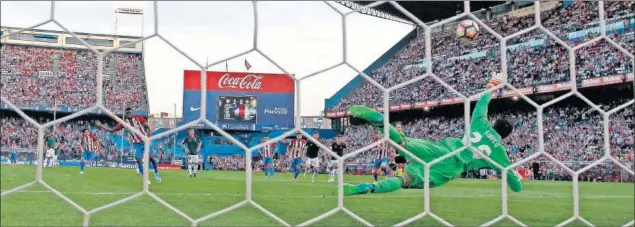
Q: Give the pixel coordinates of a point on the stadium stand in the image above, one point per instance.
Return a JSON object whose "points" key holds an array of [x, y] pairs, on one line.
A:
{"points": [[468, 63], [70, 82], [44, 70]]}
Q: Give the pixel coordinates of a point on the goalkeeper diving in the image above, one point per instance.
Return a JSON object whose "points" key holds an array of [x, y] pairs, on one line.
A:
{"points": [[486, 138]]}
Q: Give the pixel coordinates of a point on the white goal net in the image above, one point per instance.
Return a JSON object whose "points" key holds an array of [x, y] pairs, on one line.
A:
{"points": [[427, 211]]}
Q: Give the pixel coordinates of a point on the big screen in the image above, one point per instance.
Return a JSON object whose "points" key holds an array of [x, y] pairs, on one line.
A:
{"points": [[241, 101]]}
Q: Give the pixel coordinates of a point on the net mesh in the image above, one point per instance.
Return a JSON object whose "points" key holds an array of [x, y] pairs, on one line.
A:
{"points": [[340, 204]]}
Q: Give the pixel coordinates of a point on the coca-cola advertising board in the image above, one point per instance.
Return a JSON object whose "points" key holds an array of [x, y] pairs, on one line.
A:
{"points": [[267, 100]]}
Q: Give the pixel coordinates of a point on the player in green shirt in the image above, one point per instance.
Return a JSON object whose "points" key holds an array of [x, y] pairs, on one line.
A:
{"points": [[50, 154], [485, 137], [192, 146]]}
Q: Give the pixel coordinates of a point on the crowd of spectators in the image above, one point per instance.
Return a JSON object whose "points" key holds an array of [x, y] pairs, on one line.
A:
{"points": [[37, 75], [16, 132], [21, 134], [230, 163], [543, 62]]}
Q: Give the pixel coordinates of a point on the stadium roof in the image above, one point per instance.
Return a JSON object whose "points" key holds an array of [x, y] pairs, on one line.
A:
{"points": [[425, 11], [77, 33]]}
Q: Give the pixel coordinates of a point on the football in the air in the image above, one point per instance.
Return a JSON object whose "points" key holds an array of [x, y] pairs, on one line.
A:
{"points": [[467, 30]]}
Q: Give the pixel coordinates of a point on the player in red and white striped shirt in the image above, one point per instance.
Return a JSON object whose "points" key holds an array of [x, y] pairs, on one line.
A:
{"points": [[295, 151], [141, 124], [88, 145], [267, 153], [382, 154]]}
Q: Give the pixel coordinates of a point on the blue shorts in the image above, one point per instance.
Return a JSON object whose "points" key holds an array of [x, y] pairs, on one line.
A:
{"points": [[139, 147], [88, 155], [295, 163], [378, 162], [267, 161], [13, 156]]}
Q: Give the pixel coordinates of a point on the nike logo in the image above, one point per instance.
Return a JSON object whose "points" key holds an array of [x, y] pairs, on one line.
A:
{"points": [[194, 109]]}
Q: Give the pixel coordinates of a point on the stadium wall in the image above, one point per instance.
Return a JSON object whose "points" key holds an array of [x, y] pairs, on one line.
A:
{"points": [[383, 59]]}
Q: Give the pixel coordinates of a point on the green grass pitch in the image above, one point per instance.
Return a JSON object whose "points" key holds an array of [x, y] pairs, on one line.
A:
{"points": [[461, 202]]}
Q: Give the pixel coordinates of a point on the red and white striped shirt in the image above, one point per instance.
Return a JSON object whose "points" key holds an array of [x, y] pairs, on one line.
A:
{"points": [[90, 143], [268, 150], [137, 122], [296, 148], [382, 150]]}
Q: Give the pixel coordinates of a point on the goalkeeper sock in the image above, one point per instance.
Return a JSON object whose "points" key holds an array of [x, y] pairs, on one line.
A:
{"points": [[189, 169], [388, 185], [195, 169]]}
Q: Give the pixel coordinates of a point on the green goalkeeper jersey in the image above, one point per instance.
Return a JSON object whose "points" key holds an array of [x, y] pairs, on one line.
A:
{"points": [[483, 138], [50, 141], [192, 145]]}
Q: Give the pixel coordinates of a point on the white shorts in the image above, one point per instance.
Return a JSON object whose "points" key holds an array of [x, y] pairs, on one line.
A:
{"points": [[192, 159], [332, 163], [315, 162], [50, 153]]}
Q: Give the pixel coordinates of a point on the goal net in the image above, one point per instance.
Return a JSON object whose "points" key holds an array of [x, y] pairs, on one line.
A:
{"points": [[341, 207]]}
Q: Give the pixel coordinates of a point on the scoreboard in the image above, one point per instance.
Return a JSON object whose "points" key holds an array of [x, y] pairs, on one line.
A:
{"points": [[237, 108], [240, 101]]}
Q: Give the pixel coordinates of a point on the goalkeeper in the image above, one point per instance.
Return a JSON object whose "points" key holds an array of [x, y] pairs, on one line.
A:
{"points": [[485, 138]]}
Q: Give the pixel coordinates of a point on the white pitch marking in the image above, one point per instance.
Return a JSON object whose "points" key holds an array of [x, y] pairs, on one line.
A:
{"points": [[326, 196]]}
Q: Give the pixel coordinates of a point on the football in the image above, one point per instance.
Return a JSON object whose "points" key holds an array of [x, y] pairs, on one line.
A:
{"points": [[467, 30]]}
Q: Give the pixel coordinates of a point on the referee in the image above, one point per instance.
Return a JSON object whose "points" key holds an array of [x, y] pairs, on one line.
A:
{"points": [[313, 161]]}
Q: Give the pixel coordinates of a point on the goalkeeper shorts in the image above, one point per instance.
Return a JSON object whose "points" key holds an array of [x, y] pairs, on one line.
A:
{"points": [[192, 159]]}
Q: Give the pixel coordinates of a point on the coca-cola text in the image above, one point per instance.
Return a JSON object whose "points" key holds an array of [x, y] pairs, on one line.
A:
{"points": [[247, 82]]}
